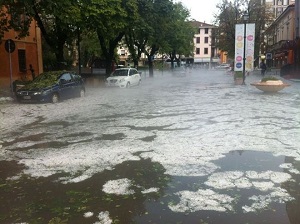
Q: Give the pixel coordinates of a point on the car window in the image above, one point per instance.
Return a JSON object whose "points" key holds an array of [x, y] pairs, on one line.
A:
{"points": [[131, 72], [121, 72], [67, 77]]}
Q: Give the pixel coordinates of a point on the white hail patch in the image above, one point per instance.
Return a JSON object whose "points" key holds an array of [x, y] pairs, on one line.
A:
{"points": [[202, 200], [104, 218], [119, 187]]}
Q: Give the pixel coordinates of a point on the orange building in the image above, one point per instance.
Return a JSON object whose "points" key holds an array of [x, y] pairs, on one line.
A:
{"points": [[28, 51]]}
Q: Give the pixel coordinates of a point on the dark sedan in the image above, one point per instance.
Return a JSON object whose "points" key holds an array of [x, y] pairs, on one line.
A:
{"points": [[52, 87]]}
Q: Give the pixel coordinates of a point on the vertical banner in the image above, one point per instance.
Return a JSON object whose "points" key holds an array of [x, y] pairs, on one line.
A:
{"points": [[239, 47]]}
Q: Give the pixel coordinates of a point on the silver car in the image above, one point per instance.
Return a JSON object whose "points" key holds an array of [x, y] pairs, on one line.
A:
{"points": [[124, 78]]}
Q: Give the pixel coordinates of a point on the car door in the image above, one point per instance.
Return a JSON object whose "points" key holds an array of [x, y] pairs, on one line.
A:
{"points": [[66, 84], [76, 85], [133, 76]]}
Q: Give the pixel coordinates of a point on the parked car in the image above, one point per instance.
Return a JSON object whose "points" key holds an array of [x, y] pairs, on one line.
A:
{"points": [[52, 87], [223, 67], [124, 78]]}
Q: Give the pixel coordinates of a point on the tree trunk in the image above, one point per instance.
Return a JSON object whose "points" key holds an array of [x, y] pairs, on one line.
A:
{"points": [[59, 54], [150, 61]]}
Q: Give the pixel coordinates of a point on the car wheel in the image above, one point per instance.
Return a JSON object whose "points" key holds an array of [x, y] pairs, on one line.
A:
{"points": [[54, 98], [82, 93], [128, 85]]}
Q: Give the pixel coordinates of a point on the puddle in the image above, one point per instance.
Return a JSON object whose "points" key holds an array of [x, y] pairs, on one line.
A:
{"points": [[248, 186], [117, 195], [255, 186]]}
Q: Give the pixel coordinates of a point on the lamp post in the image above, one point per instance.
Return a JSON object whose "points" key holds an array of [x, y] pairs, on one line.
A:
{"points": [[245, 19]]}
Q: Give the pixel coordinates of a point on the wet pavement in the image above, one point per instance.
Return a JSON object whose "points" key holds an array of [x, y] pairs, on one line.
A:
{"points": [[194, 149]]}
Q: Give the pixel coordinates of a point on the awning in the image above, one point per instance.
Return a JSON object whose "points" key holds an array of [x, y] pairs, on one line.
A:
{"points": [[278, 55]]}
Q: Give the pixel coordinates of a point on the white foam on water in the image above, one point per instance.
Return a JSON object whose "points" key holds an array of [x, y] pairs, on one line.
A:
{"points": [[104, 218], [150, 190], [118, 187], [207, 200]]}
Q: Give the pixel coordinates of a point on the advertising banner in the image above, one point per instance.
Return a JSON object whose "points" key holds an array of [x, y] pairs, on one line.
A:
{"points": [[239, 47]]}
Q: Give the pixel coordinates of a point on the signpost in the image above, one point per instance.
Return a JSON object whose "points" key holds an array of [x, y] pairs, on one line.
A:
{"points": [[10, 47]]}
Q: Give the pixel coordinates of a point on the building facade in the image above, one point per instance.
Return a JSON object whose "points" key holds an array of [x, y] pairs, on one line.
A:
{"points": [[27, 54], [281, 39], [277, 7], [205, 52]]}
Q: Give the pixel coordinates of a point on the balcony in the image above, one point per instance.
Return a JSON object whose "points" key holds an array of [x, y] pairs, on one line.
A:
{"points": [[283, 45]]}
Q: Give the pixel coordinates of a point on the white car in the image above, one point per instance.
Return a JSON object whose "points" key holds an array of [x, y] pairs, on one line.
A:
{"points": [[124, 78], [223, 67]]}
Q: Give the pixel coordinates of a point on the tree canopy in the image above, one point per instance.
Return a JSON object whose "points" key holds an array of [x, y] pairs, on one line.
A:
{"points": [[146, 26], [231, 13]]}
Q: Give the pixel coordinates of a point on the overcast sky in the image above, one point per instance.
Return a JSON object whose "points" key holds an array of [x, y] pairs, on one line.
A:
{"points": [[201, 10]]}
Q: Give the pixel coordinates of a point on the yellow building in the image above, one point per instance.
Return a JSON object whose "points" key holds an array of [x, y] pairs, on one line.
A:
{"points": [[27, 51]]}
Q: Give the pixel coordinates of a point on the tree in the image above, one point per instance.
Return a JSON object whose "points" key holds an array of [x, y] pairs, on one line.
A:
{"points": [[109, 19], [228, 17], [13, 16], [231, 13], [57, 20], [160, 21], [161, 27], [3, 22], [180, 35]]}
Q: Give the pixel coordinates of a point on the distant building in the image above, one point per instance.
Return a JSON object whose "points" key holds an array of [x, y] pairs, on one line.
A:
{"points": [[281, 39], [205, 52], [28, 51], [278, 6]]}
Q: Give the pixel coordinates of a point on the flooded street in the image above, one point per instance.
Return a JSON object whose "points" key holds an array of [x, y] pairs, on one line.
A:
{"points": [[194, 149]]}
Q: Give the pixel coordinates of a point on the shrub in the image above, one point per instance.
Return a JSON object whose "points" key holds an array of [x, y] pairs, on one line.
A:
{"points": [[238, 74], [269, 78]]}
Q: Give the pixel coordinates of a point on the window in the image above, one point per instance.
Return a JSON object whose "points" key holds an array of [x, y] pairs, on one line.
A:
{"points": [[198, 40], [132, 72], [22, 60], [199, 31], [206, 30], [123, 52], [197, 50], [206, 40], [206, 50], [66, 77]]}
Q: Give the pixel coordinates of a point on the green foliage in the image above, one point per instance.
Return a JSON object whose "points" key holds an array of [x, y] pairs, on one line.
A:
{"points": [[238, 74], [269, 78], [231, 13], [43, 80], [100, 25], [3, 22], [57, 220]]}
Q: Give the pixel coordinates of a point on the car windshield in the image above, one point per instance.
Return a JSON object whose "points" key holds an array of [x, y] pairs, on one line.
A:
{"points": [[120, 72]]}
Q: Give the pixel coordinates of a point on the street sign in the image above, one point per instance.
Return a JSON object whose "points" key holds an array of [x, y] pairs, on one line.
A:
{"points": [[269, 56], [10, 46]]}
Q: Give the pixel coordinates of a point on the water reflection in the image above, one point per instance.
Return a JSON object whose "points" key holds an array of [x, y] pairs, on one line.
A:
{"points": [[40, 200], [293, 207], [259, 169]]}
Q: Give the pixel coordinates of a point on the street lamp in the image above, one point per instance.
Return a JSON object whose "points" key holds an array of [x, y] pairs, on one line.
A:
{"points": [[245, 19]]}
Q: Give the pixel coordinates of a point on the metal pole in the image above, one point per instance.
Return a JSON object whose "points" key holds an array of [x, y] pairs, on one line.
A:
{"points": [[79, 52], [244, 54], [10, 67]]}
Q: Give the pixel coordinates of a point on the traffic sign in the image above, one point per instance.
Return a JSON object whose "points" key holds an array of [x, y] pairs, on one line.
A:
{"points": [[10, 46]]}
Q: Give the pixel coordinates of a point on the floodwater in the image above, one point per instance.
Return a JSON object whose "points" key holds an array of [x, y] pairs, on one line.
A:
{"points": [[193, 149]]}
